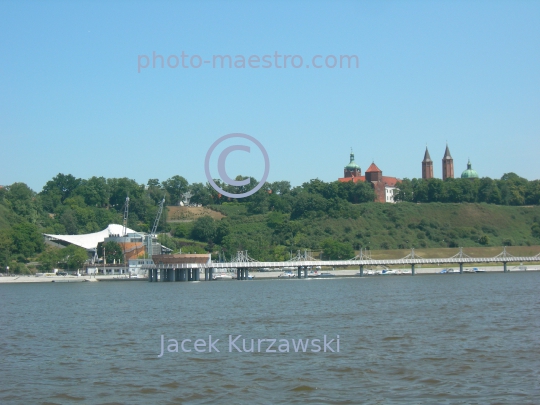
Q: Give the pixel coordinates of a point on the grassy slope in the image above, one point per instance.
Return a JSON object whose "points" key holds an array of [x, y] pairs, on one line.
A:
{"points": [[449, 252], [406, 225]]}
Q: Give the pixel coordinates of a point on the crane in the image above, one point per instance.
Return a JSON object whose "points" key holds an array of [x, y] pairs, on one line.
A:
{"points": [[126, 213], [154, 229]]}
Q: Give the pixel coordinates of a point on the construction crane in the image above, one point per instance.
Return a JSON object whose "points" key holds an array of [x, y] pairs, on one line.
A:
{"points": [[126, 213], [154, 229]]}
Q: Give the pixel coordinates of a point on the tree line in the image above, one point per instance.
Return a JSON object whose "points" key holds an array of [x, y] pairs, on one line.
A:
{"points": [[509, 190], [70, 205]]}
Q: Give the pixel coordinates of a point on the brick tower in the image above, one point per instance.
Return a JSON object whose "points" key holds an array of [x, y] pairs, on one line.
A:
{"points": [[447, 165], [427, 166]]}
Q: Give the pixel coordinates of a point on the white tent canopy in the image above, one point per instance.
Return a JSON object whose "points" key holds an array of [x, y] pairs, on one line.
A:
{"points": [[90, 240]]}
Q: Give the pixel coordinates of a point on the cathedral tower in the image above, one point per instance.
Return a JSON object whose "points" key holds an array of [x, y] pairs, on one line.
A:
{"points": [[447, 165], [427, 166]]}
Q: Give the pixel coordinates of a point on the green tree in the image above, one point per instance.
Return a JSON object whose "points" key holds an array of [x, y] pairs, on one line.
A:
{"points": [[335, 250], [176, 186], [27, 240], [484, 240], [6, 248], [204, 229], [95, 191], [405, 191], [73, 256], [21, 199], [49, 259], [488, 191], [306, 203], [113, 252], [62, 185]]}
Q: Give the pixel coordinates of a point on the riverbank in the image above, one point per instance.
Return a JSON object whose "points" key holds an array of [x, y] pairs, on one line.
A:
{"points": [[273, 274], [64, 279]]}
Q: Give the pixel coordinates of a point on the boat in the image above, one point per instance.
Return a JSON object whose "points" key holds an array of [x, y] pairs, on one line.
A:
{"points": [[222, 276], [314, 273], [477, 270]]}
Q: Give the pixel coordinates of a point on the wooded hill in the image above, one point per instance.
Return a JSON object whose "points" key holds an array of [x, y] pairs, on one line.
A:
{"points": [[335, 217]]}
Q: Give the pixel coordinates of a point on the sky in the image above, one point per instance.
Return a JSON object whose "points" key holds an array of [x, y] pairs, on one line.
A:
{"points": [[76, 98]]}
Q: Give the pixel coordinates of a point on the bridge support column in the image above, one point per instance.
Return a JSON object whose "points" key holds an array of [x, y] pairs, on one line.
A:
{"points": [[244, 274], [176, 274], [170, 276], [305, 272], [299, 275], [154, 274], [205, 274], [238, 275], [505, 267], [412, 270], [189, 275], [361, 270], [197, 274], [150, 275], [461, 268], [211, 273], [183, 274]]}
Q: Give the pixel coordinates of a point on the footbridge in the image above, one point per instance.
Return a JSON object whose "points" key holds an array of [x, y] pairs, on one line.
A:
{"points": [[243, 263]]}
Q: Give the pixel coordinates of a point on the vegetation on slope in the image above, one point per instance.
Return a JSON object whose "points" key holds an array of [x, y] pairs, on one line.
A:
{"points": [[336, 218]]}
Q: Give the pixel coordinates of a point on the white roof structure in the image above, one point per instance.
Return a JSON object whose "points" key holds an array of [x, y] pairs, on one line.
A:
{"points": [[90, 240]]}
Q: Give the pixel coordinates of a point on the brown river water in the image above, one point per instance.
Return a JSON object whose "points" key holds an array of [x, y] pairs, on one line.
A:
{"points": [[430, 339]]}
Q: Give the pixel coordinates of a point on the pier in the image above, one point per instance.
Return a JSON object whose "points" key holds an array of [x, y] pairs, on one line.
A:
{"points": [[187, 271]]}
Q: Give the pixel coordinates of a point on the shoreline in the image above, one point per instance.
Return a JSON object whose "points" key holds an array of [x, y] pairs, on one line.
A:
{"points": [[270, 275]]}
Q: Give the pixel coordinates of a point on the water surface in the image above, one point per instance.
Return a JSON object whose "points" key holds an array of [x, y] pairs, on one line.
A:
{"points": [[454, 339]]}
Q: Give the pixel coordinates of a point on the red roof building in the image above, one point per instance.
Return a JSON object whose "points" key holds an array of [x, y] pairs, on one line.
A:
{"points": [[384, 186]]}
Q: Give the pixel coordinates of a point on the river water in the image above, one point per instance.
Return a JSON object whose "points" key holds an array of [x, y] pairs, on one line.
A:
{"points": [[434, 339]]}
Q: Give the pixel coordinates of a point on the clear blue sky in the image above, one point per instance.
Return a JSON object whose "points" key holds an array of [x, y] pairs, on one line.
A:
{"points": [[72, 100]]}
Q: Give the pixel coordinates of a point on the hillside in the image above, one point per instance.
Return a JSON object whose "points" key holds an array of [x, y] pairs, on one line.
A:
{"points": [[188, 214], [334, 218], [381, 227]]}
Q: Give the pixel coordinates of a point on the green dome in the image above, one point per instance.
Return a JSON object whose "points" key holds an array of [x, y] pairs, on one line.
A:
{"points": [[469, 173], [352, 164]]}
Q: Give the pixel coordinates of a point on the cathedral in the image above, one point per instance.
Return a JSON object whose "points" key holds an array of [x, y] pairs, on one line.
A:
{"points": [[383, 186], [447, 167]]}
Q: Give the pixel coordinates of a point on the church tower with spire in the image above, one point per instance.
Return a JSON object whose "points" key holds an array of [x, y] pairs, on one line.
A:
{"points": [[427, 166], [447, 165], [352, 169]]}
